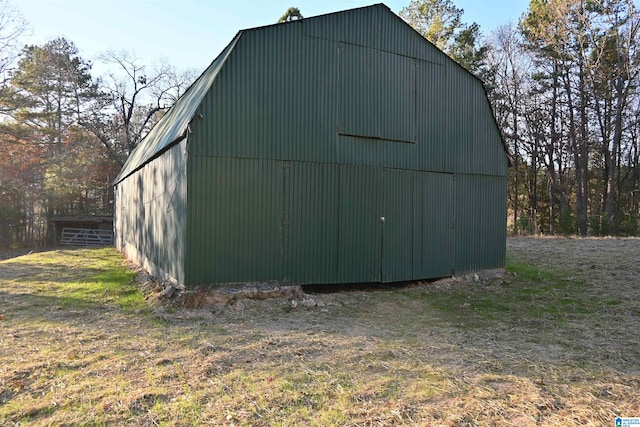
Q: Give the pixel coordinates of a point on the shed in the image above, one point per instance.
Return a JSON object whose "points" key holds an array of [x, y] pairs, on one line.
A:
{"points": [[84, 225], [341, 148]]}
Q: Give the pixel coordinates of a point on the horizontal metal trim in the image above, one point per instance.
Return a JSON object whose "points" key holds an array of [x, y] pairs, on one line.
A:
{"points": [[377, 138]]}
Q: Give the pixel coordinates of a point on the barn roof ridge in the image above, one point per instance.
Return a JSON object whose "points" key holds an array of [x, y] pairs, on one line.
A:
{"points": [[324, 15]]}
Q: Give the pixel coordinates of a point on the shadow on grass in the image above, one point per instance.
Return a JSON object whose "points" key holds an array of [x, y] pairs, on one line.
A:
{"points": [[43, 303], [29, 273], [15, 253]]}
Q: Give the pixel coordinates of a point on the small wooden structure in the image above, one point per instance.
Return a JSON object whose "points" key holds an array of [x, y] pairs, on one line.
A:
{"points": [[83, 230]]}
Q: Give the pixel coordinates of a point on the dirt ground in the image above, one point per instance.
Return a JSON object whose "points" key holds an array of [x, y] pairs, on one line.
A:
{"points": [[553, 342]]}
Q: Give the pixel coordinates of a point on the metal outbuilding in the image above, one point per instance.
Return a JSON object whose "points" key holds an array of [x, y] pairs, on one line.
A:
{"points": [[340, 148]]}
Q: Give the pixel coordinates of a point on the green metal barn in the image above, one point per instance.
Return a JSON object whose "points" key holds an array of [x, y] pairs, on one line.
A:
{"points": [[341, 148]]}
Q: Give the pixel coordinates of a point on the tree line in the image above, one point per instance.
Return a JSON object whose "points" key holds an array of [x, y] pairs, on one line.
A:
{"points": [[65, 132], [563, 83], [565, 92]]}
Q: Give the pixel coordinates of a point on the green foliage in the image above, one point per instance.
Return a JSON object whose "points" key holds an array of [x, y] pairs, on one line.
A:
{"points": [[566, 224], [292, 14], [567, 102], [440, 22], [54, 166], [53, 86]]}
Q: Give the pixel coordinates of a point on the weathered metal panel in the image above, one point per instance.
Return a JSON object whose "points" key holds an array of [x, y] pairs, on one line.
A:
{"points": [[397, 100], [480, 222], [418, 232], [319, 223], [360, 240], [310, 222], [285, 108], [377, 94], [376, 27], [398, 226], [434, 216], [234, 220], [150, 214], [327, 92], [434, 121], [474, 136], [359, 102]]}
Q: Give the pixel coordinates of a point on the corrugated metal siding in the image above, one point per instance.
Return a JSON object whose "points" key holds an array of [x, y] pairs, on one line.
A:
{"points": [[376, 27], [398, 227], [311, 222], [397, 97], [326, 92], [480, 222], [151, 213], [434, 213], [359, 101], [418, 231], [234, 220], [435, 122], [299, 222], [173, 125], [283, 109], [360, 240], [310, 133], [381, 101], [475, 138]]}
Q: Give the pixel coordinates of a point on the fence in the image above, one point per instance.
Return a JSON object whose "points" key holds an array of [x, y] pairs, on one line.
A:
{"points": [[86, 237]]}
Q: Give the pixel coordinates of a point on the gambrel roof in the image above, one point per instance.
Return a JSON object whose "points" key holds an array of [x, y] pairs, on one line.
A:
{"points": [[174, 125]]}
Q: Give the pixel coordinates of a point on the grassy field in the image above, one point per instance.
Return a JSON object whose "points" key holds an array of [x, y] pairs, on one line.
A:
{"points": [[554, 342]]}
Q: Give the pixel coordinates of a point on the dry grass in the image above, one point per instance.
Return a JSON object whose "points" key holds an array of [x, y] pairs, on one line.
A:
{"points": [[552, 343]]}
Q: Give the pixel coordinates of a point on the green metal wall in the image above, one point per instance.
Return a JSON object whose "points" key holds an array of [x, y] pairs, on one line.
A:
{"points": [[298, 222], [314, 131], [373, 92], [481, 222], [311, 222], [234, 217], [150, 214]]}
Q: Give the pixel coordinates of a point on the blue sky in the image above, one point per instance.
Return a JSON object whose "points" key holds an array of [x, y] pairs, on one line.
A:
{"points": [[190, 33]]}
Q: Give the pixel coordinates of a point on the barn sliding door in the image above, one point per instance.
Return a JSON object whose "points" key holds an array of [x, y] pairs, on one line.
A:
{"points": [[434, 221], [418, 228], [310, 223], [360, 241], [351, 223], [397, 228]]}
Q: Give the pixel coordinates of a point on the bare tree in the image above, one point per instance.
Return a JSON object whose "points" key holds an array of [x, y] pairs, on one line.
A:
{"points": [[12, 26], [510, 68], [135, 96]]}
